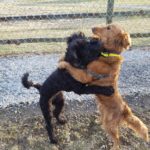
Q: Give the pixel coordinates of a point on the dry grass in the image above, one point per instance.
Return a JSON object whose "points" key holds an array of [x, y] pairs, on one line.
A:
{"points": [[28, 7], [32, 48], [63, 28]]}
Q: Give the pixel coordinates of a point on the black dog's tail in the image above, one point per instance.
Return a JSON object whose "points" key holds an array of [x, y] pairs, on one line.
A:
{"points": [[27, 84]]}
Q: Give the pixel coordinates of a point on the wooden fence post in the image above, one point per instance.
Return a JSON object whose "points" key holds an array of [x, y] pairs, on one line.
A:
{"points": [[110, 8]]}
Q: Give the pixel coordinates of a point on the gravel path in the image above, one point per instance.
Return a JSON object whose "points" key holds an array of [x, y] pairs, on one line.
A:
{"points": [[134, 79]]}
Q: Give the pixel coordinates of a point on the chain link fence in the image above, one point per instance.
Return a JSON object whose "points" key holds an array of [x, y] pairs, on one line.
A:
{"points": [[43, 25]]}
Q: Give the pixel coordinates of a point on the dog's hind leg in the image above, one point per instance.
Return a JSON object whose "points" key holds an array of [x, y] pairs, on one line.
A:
{"points": [[46, 111], [135, 123], [115, 137], [58, 102], [113, 132], [112, 128]]}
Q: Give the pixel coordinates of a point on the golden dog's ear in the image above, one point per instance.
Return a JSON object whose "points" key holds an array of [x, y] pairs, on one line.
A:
{"points": [[122, 40]]}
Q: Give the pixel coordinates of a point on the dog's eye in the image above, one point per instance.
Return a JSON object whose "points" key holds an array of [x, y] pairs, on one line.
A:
{"points": [[108, 28]]}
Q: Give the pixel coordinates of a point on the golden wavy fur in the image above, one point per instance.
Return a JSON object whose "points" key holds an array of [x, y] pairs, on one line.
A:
{"points": [[114, 110]]}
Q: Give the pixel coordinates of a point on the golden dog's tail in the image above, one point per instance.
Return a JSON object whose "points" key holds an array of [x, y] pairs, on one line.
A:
{"points": [[135, 123]]}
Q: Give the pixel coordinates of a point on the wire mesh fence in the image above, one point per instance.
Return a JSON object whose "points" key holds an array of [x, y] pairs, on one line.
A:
{"points": [[43, 25]]}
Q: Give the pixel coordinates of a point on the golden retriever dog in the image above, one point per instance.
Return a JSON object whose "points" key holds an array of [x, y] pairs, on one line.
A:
{"points": [[114, 110]]}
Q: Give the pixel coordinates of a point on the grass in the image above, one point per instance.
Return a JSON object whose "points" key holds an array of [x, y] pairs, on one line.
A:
{"points": [[63, 28], [33, 8], [133, 2], [32, 48], [27, 7]]}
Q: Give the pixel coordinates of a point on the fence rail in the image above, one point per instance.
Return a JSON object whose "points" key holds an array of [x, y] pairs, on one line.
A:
{"points": [[49, 40], [74, 16]]}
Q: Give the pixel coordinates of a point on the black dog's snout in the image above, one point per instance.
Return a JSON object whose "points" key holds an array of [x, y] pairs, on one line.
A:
{"points": [[94, 41]]}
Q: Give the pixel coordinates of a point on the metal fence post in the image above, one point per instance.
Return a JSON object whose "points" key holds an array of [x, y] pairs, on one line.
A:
{"points": [[109, 15]]}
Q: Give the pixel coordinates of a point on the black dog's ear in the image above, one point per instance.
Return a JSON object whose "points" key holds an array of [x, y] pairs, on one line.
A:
{"points": [[78, 47], [75, 36], [81, 34], [74, 54], [80, 43], [69, 39]]}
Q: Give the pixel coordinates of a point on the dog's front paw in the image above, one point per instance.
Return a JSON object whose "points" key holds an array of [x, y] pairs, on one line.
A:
{"points": [[63, 65]]}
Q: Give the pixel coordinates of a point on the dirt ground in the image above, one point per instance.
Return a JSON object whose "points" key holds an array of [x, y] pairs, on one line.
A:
{"points": [[22, 127]]}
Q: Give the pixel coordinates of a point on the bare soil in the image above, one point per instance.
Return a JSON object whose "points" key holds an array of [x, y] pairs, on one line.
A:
{"points": [[22, 127]]}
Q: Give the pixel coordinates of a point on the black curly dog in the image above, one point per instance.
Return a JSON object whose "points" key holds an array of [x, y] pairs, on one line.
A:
{"points": [[79, 53]]}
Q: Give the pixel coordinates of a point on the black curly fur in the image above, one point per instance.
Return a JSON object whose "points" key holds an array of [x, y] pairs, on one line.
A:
{"points": [[73, 37], [81, 50], [61, 80]]}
